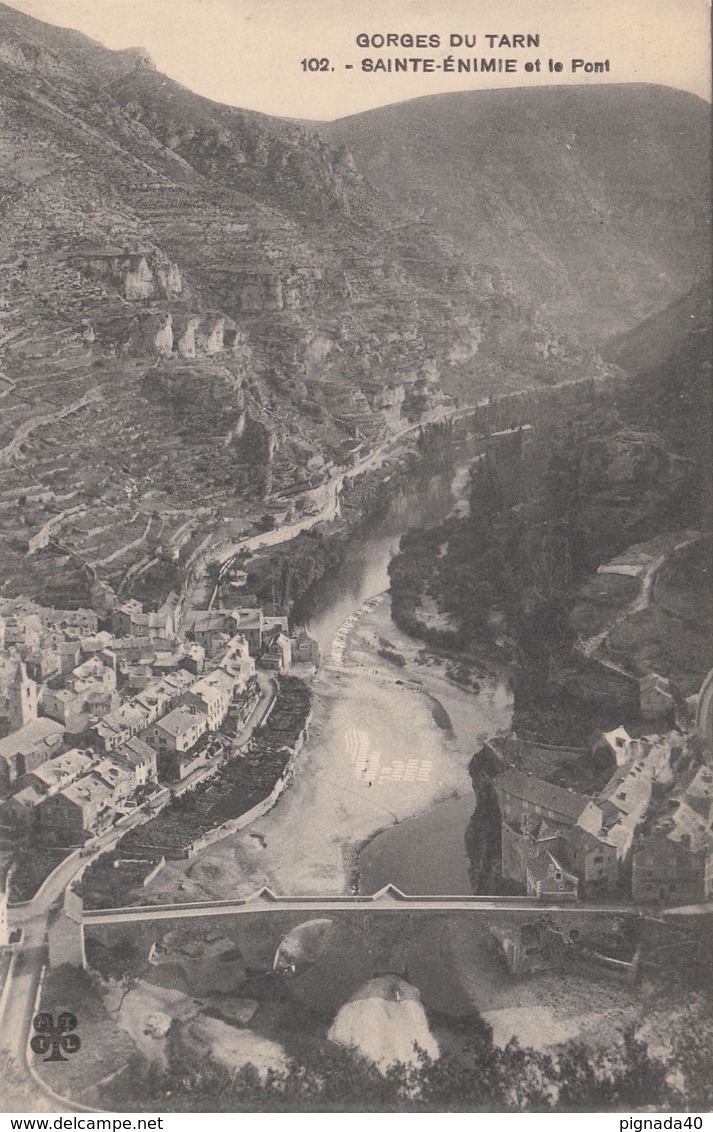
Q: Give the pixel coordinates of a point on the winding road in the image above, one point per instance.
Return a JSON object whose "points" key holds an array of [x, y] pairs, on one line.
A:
{"points": [[592, 645]]}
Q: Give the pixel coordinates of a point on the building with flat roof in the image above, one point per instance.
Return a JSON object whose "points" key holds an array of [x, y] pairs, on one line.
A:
{"points": [[117, 773]]}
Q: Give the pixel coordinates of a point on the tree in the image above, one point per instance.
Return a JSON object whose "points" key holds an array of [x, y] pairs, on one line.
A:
{"points": [[692, 1065], [622, 1078]]}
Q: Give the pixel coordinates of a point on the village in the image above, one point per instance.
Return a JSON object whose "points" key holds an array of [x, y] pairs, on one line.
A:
{"points": [[645, 835], [112, 717], [106, 718]]}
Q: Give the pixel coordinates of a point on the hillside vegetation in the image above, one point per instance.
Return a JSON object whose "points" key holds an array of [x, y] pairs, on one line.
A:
{"points": [[594, 199]]}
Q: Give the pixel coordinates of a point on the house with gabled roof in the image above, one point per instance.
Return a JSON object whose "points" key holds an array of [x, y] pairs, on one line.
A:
{"points": [[211, 694], [82, 807], [617, 741], [656, 696], [593, 860], [24, 750], [524, 799], [664, 870], [142, 758], [625, 801], [277, 656], [539, 817], [179, 730], [173, 738]]}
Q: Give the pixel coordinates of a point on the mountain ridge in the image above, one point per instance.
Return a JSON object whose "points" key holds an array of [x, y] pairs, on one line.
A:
{"points": [[614, 175]]}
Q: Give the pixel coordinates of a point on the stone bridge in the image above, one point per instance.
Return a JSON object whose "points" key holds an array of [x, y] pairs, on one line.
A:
{"points": [[704, 711], [258, 923]]}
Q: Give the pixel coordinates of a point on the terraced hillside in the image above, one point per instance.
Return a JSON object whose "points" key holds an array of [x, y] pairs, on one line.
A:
{"points": [[203, 310]]}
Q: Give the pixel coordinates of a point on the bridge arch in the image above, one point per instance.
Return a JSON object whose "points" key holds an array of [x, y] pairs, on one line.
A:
{"points": [[704, 711]]}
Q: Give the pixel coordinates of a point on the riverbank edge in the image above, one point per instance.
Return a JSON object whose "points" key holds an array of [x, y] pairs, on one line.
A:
{"points": [[240, 821], [456, 426], [353, 850]]}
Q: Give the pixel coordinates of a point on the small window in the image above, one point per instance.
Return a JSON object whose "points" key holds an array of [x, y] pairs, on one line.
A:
{"points": [[558, 875]]}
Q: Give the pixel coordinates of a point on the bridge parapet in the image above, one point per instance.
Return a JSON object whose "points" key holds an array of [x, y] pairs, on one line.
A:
{"points": [[264, 899]]}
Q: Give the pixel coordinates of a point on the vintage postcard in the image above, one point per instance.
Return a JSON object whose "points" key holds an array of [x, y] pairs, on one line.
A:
{"points": [[356, 507]]}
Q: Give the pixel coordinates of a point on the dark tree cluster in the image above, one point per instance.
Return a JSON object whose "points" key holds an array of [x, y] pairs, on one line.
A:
{"points": [[478, 1076]]}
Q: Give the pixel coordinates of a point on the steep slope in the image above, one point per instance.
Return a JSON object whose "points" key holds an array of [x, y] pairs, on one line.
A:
{"points": [[203, 309], [669, 356], [593, 198]]}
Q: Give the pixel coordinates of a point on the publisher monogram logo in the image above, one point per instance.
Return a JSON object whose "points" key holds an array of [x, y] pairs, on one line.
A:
{"points": [[55, 1039]]}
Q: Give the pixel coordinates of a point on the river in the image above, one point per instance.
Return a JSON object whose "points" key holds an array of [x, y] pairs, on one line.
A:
{"points": [[381, 790], [364, 570], [425, 853]]}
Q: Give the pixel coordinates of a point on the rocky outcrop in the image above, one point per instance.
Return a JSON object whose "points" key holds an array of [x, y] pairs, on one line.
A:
{"points": [[152, 334], [216, 333], [135, 275], [230, 1047], [185, 337], [169, 333], [388, 400], [385, 1021], [168, 280], [254, 443], [200, 961]]}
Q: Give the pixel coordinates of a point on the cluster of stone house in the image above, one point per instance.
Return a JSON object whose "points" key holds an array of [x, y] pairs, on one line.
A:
{"points": [[175, 712], [65, 795], [644, 831], [77, 793], [27, 748], [130, 620], [88, 691], [121, 749], [549, 838], [673, 860], [49, 642], [268, 637], [97, 718]]}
